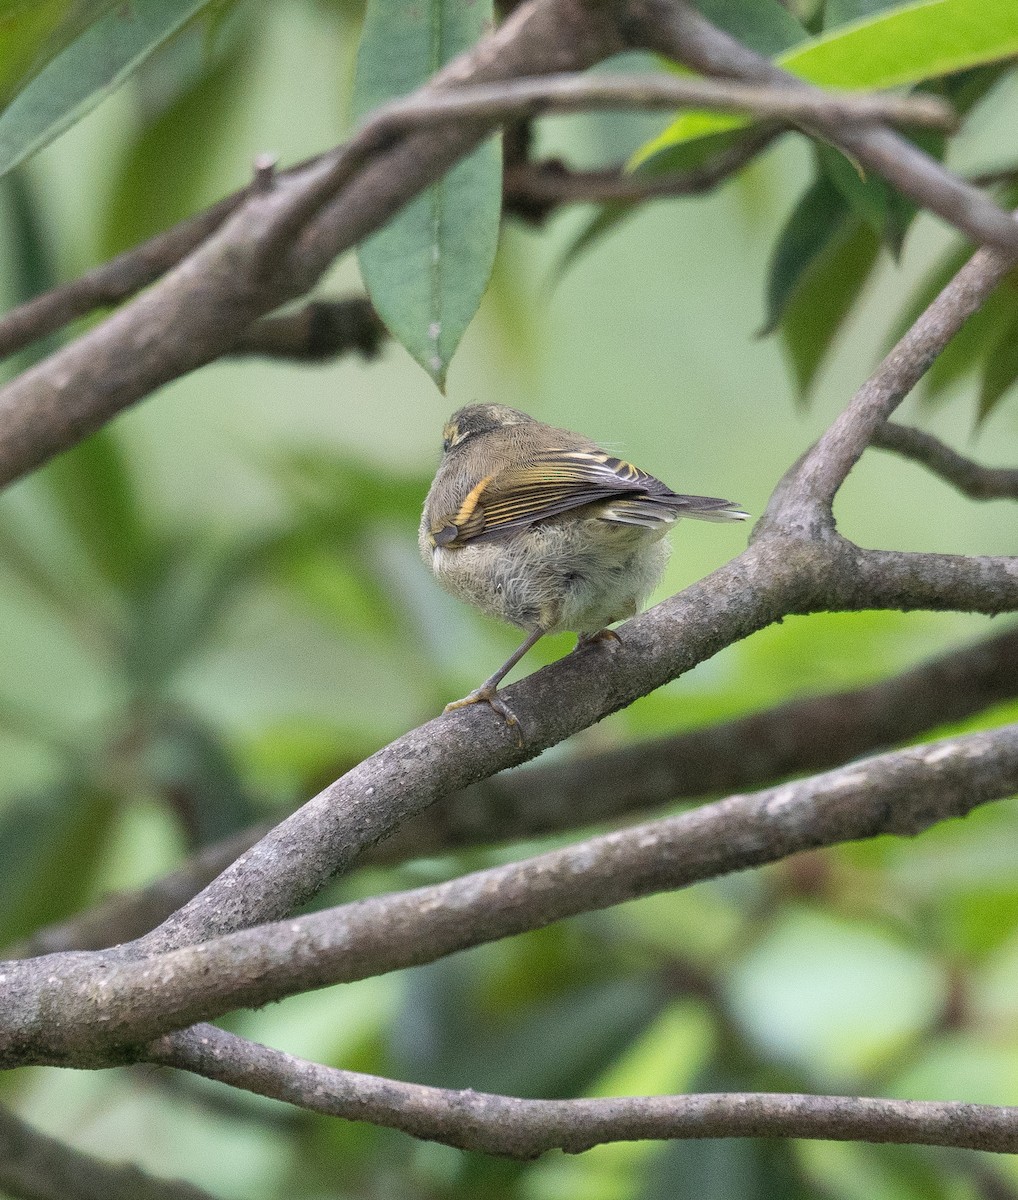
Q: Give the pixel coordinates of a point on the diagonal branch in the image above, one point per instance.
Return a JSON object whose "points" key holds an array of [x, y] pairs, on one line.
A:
{"points": [[94, 1009], [518, 1128], [801, 503], [276, 245], [968, 476], [815, 733]]}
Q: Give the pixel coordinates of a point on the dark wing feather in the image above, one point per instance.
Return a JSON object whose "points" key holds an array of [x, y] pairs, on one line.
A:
{"points": [[557, 481]]}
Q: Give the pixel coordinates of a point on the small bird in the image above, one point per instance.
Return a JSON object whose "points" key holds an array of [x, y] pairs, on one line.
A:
{"points": [[543, 529]]}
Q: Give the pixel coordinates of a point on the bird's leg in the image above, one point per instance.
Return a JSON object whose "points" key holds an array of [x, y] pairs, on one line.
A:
{"points": [[487, 692]]}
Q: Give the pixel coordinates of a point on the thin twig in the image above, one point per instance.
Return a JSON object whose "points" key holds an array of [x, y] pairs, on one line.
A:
{"points": [[518, 1128], [318, 331], [675, 28], [523, 98], [971, 478], [534, 189]]}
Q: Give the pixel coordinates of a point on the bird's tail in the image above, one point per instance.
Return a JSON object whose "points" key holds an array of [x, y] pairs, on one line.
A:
{"points": [[659, 510]]}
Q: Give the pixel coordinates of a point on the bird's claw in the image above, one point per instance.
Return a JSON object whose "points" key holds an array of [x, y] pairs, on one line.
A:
{"points": [[490, 696]]}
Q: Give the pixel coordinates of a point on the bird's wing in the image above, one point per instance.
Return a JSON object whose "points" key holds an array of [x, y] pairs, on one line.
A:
{"points": [[556, 481]]}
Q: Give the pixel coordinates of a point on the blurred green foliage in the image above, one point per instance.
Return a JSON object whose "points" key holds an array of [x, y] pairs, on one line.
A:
{"points": [[215, 606]]}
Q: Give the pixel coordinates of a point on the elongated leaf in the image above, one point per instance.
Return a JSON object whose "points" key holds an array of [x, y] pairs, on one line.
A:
{"points": [[825, 295], [901, 46], [50, 846], [1000, 367], [32, 32], [426, 271], [817, 220], [765, 26], [95, 492], [91, 67], [880, 207]]}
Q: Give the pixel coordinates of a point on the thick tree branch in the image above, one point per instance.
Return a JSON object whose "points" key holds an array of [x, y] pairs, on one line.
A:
{"points": [[38, 1167], [94, 1009], [815, 733], [129, 272], [276, 245], [969, 477], [518, 1128], [674, 28]]}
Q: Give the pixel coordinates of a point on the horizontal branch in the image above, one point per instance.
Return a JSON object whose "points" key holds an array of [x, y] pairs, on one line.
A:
{"points": [[34, 1165], [518, 99], [969, 477], [94, 1009], [518, 1128]]}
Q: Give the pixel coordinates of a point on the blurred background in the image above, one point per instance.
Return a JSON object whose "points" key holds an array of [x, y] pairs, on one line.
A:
{"points": [[215, 606]]}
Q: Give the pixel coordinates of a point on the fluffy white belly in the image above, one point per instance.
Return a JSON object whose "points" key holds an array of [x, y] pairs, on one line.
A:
{"points": [[580, 580]]}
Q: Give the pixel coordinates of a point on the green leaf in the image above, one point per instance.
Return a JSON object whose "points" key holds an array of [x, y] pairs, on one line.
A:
{"points": [[1000, 367], [824, 297], [95, 495], [91, 67], [159, 180], [765, 26], [194, 773], [882, 208], [427, 269], [905, 45], [817, 220], [32, 32], [50, 848]]}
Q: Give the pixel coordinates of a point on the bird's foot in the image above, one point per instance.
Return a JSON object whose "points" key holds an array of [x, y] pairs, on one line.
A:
{"points": [[490, 696], [593, 639]]}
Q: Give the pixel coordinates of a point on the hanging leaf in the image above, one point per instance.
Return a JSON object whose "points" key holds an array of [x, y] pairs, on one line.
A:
{"points": [[1000, 364], [427, 269], [92, 66], [95, 494], [34, 33], [824, 297], [880, 207], [817, 220]]}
